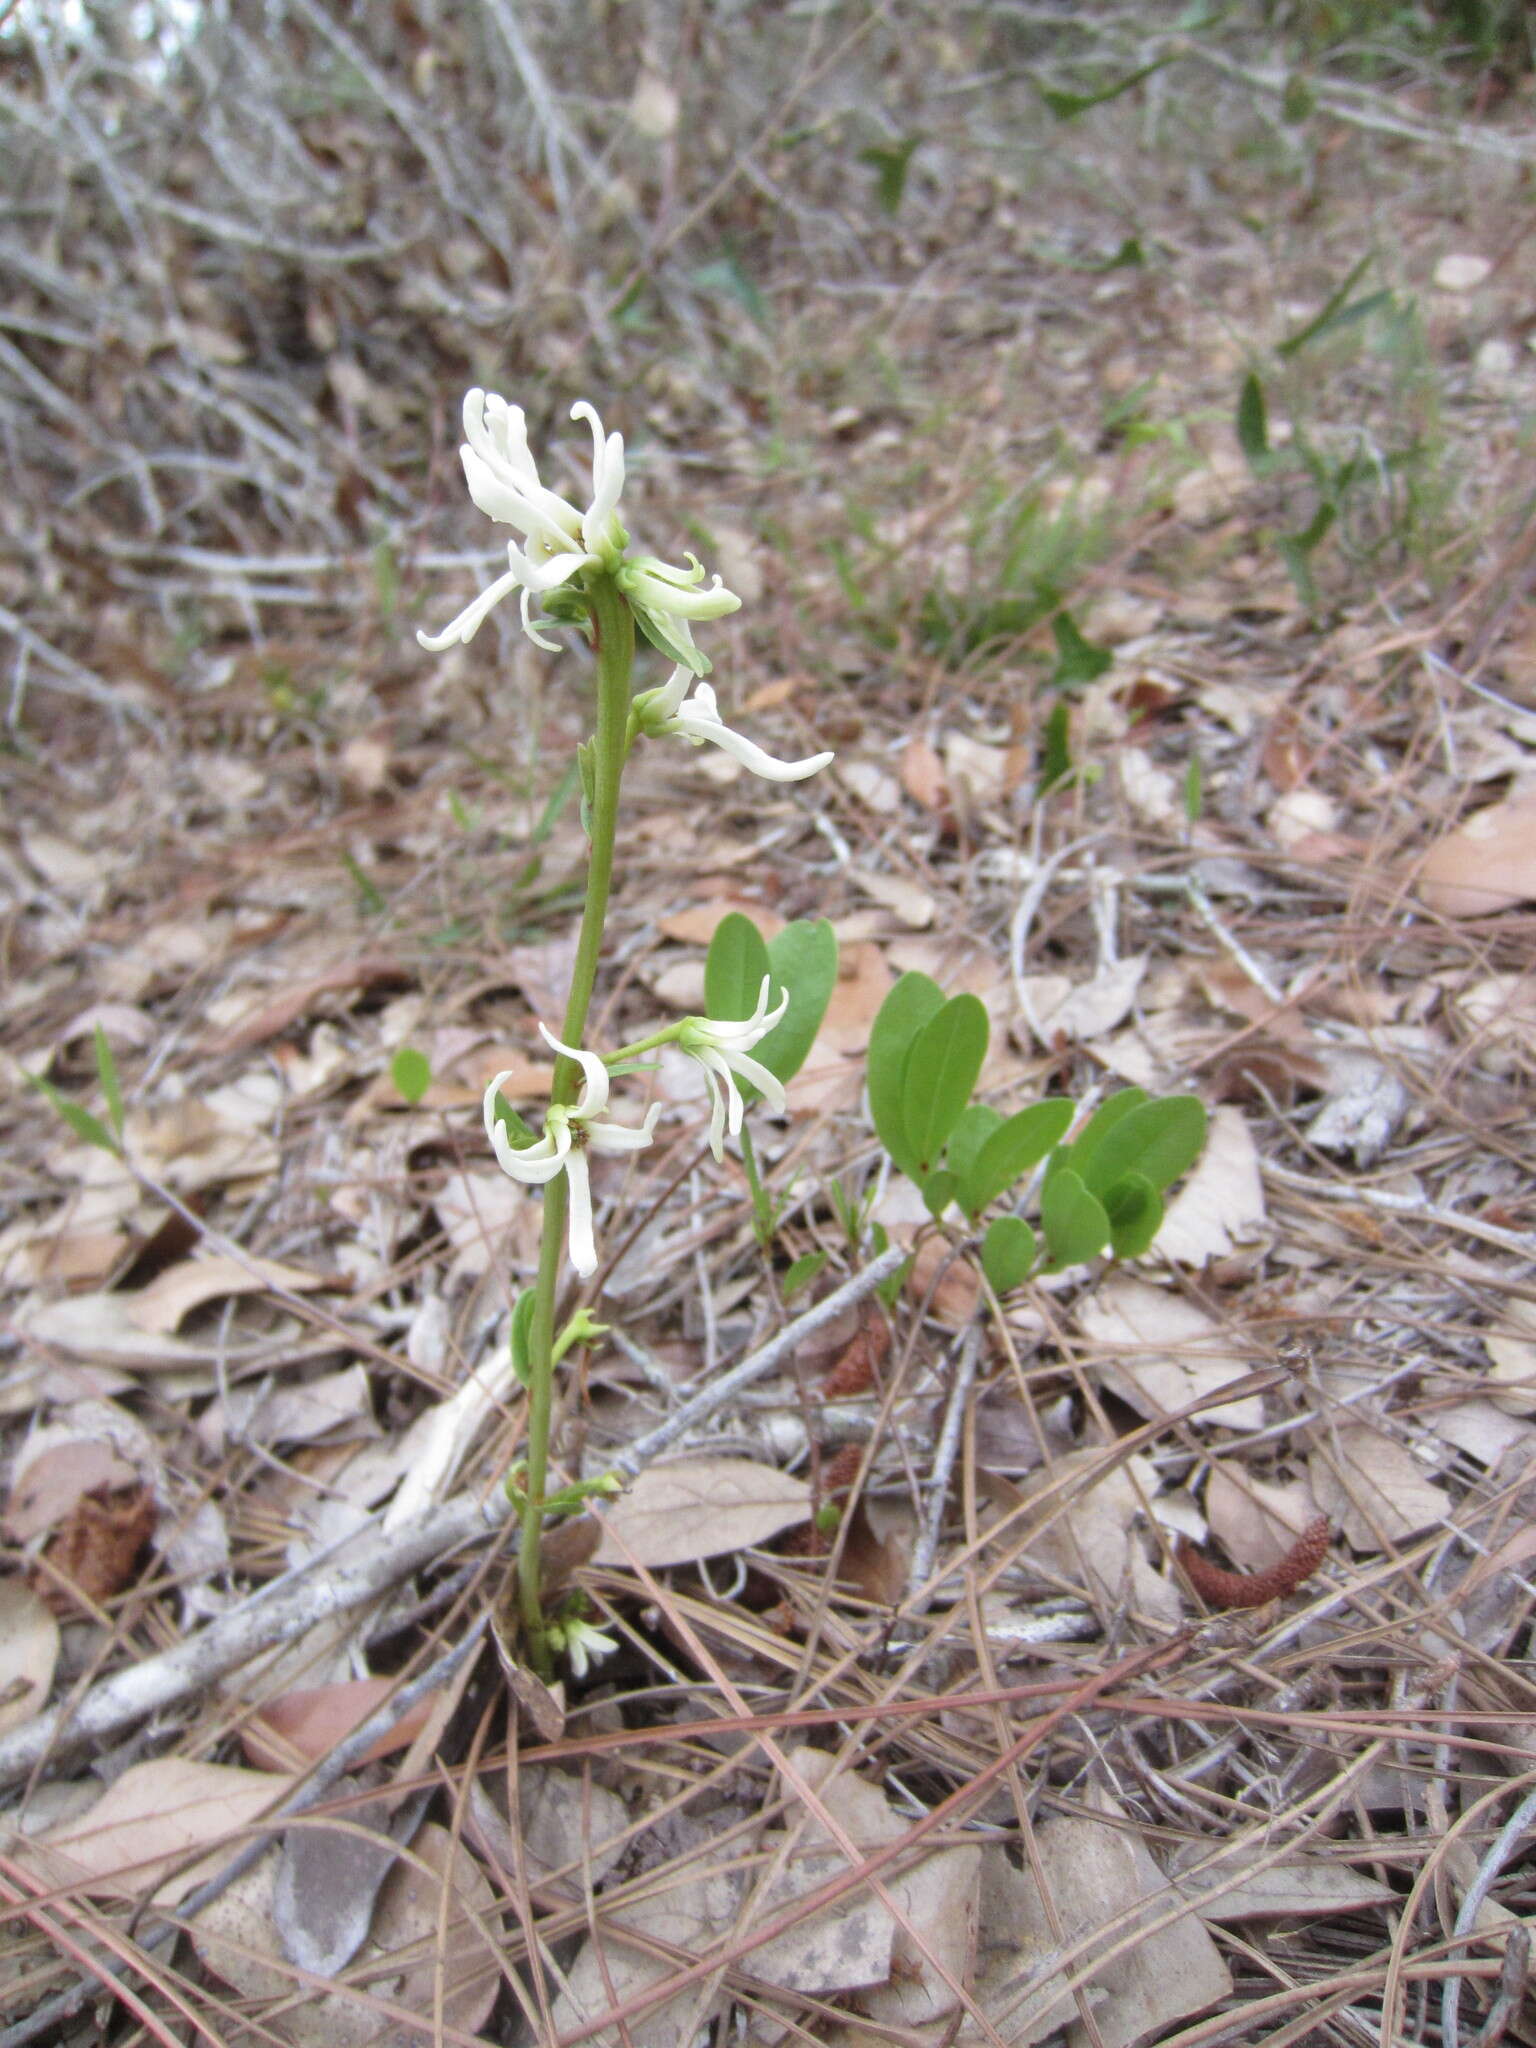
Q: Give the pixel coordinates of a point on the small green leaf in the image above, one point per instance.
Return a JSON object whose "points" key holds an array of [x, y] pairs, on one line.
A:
{"points": [[734, 969], [1253, 424], [938, 1191], [521, 1333], [1075, 1225], [80, 1120], [1298, 102], [1194, 789], [977, 1123], [942, 1065], [1078, 661], [1008, 1253], [1135, 1212], [1012, 1149], [1158, 1140], [1084, 1148], [803, 959], [106, 1074], [726, 278], [1066, 106], [911, 1004], [1056, 761], [890, 169], [801, 1273], [411, 1072], [1338, 311], [828, 1518]]}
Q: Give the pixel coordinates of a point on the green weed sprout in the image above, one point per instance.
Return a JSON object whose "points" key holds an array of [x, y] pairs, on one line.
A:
{"points": [[575, 568], [1101, 1193]]}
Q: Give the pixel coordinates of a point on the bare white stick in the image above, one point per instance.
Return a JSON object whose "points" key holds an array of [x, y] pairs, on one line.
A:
{"points": [[926, 1549], [260, 1623]]}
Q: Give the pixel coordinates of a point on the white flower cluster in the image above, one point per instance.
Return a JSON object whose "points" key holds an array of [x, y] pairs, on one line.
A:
{"points": [[572, 1131]]}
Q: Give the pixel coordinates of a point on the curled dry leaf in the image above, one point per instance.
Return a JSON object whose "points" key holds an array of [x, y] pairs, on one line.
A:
{"points": [[1219, 1588]]}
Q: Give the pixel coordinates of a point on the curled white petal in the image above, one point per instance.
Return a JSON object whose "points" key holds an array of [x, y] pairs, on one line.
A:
{"points": [[584, 1644], [594, 1076], [468, 623], [612, 1139], [699, 720]]}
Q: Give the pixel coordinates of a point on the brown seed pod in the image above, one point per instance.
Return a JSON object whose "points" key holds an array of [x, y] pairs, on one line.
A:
{"points": [[1218, 1588]]}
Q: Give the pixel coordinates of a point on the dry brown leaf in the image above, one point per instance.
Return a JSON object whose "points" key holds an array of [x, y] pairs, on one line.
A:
{"points": [[1310, 1885], [685, 1916], [696, 925], [922, 775], [1088, 1009], [101, 1326], [1221, 1204], [1166, 1353], [403, 1960], [1086, 1534], [1101, 1876], [148, 1822], [277, 1012], [1486, 864], [303, 1725], [690, 1508], [172, 1295], [95, 1551], [1255, 1522], [1373, 1487], [1512, 1354], [863, 982], [329, 1876], [912, 904], [29, 1650], [985, 770]]}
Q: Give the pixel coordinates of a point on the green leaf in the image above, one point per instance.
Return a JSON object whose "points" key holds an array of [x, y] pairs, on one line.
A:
{"points": [[1194, 790], [911, 1004], [1338, 311], [1012, 1149], [1008, 1253], [734, 969], [1078, 661], [106, 1074], [1066, 106], [942, 1064], [803, 959], [411, 1072], [77, 1116], [725, 278], [1158, 1140], [977, 1123], [890, 169], [679, 654], [1253, 424], [1135, 1212], [521, 1333], [1083, 1150], [1056, 765], [801, 1273], [521, 1134], [1075, 1225], [938, 1191]]}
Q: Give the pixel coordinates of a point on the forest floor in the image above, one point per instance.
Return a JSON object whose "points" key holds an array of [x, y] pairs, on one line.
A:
{"points": [[1134, 490]]}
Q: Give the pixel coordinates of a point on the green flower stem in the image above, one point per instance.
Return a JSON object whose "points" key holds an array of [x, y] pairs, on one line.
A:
{"points": [[614, 637], [762, 1207]]}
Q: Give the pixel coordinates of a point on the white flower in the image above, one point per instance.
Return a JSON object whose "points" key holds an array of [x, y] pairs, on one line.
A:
{"points": [[667, 600], [571, 1131], [582, 1643], [698, 720], [561, 542], [722, 1051]]}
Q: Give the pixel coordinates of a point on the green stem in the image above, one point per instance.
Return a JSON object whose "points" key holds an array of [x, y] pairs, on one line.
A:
{"points": [[762, 1207], [614, 638]]}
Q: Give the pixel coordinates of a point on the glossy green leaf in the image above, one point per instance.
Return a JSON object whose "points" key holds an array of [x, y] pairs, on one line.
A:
{"points": [[1084, 1148], [942, 1066], [522, 1331], [1075, 1225], [80, 1120], [411, 1072], [1135, 1212], [106, 1073], [803, 959], [911, 1004], [1158, 1140], [801, 1273], [734, 969], [1013, 1149], [1008, 1253], [976, 1124]]}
